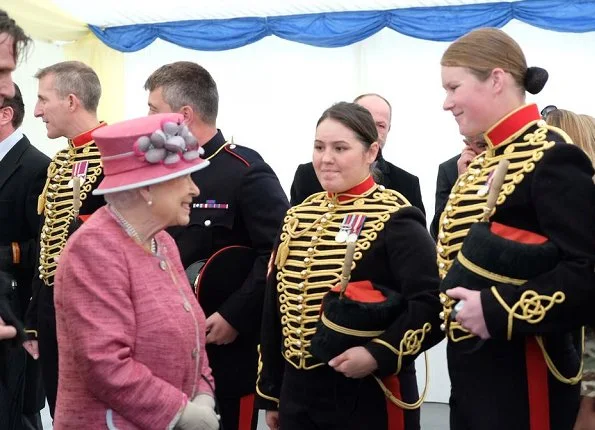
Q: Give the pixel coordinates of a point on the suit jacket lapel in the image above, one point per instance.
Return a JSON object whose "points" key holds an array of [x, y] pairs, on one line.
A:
{"points": [[11, 162]]}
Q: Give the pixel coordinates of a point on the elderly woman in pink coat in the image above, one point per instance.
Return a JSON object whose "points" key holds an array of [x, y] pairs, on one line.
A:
{"points": [[131, 335]]}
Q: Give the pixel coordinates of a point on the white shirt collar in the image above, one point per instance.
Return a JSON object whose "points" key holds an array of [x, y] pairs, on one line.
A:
{"points": [[7, 144]]}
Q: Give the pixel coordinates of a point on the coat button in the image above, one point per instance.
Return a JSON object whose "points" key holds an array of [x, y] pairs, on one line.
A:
{"points": [[207, 223], [195, 353], [163, 265], [187, 306]]}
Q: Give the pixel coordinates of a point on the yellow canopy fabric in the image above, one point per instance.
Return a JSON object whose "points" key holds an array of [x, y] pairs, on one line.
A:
{"points": [[43, 20]]}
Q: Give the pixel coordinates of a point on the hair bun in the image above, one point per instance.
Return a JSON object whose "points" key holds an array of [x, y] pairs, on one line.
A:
{"points": [[535, 79]]}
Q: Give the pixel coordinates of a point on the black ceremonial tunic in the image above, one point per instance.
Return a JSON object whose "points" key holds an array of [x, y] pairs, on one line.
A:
{"points": [[393, 250], [505, 382], [59, 221]]}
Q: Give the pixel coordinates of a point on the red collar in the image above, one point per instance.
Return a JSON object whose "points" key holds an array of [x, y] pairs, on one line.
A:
{"points": [[511, 124], [84, 138], [361, 188]]}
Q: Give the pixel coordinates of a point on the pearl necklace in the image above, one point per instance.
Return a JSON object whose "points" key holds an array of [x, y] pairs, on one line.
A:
{"points": [[130, 230]]}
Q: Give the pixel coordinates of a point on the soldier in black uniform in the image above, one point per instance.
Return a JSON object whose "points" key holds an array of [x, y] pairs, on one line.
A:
{"points": [[449, 171], [394, 257], [240, 206], [523, 373], [67, 102], [305, 182]]}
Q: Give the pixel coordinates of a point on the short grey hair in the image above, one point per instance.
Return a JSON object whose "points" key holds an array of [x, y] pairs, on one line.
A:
{"points": [[75, 77], [185, 83], [124, 199]]}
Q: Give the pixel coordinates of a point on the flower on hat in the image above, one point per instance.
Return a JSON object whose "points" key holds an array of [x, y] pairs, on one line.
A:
{"points": [[169, 145]]}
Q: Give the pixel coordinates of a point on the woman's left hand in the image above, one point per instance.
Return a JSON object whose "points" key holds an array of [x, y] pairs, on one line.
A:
{"points": [[471, 315], [219, 331], [356, 362]]}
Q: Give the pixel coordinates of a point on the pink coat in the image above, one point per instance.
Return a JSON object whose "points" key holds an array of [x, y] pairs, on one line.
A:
{"points": [[131, 340]]}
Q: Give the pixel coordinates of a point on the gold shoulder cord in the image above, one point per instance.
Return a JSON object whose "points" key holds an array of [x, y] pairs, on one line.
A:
{"points": [[57, 203], [550, 364], [217, 151], [409, 345], [258, 373], [309, 260], [400, 403]]}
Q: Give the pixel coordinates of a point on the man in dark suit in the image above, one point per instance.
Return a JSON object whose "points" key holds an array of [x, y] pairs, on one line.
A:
{"points": [[449, 171], [305, 182], [13, 41], [241, 206], [22, 176]]}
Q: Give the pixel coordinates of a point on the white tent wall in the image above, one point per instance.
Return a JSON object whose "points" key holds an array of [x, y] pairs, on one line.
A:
{"points": [[273, 91]]}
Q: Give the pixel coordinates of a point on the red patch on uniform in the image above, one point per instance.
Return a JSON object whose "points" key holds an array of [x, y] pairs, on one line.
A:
{"points": [[517, 234], [361, 291]]}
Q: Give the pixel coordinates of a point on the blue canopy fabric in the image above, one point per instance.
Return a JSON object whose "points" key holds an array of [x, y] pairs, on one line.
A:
{"points": [[336, 29]]}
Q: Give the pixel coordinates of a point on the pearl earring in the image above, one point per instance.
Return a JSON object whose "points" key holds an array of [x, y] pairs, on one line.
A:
{"points": [[150, 202]]}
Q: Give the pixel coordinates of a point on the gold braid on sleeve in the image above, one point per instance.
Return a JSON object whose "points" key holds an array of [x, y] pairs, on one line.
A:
{"points": [[409, 345], [532, 307]]}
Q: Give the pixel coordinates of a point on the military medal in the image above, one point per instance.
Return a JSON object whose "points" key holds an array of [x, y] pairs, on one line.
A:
{"points": [[485, 189], [343, 231], [210, 204], [79, 170], [350, 228], [356, 228]]}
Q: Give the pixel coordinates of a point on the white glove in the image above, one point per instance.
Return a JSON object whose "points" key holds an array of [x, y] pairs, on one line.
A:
{"points": [[204, 400], [199, 415]]}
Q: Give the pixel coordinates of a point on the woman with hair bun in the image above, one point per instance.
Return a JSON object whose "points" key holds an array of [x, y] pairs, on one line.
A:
{"points": [[513, 288]]}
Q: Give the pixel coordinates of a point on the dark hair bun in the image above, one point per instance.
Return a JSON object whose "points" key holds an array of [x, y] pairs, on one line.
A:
{"points": [[535, 79]]}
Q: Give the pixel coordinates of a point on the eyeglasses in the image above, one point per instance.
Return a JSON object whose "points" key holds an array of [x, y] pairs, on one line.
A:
{"points": [[546, 110]]}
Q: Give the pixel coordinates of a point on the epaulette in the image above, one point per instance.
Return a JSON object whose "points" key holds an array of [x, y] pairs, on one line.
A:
{"points": [[243, 154]]}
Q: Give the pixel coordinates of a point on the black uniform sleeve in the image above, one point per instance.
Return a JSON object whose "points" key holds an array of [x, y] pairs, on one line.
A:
{"points": [[298, 191], [36, 285], [270, 359], [563, 197], [412, 257], [29, 248], [417, 200], [443, 187], [263, 204]]}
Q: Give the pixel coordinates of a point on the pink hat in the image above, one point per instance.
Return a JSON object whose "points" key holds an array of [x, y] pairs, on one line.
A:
{"points": [[146, 151]]}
